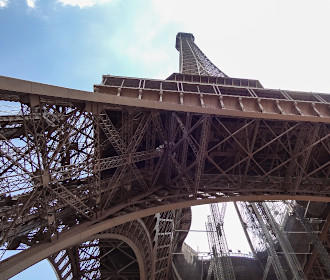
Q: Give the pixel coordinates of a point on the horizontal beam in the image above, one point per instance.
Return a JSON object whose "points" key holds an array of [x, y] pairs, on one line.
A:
{"points": [[220, 100], [172, 100], [229, 81]]}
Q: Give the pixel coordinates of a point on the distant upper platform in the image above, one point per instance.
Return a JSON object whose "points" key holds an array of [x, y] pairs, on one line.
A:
{"points": [[215, 80], [188, 36]]}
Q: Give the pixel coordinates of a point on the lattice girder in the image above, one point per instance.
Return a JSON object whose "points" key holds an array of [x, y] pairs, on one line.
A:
{"points": [[241, 157], [75, 164], [192, 59]]}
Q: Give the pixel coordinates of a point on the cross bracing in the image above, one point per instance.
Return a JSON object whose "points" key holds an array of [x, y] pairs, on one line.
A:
{"points": [[75, 161]]}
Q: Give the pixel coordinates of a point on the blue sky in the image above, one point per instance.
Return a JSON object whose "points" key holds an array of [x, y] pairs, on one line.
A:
{"points": [[72, 46], [72, 43], [284, 44]]}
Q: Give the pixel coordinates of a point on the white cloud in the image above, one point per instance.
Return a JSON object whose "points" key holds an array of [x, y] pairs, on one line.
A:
{"points": [[82, 3], [31, 3], [141, 43], [3, 3], [267, 40]]}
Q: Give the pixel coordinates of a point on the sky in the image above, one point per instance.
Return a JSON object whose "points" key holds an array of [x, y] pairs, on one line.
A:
{"points": [[233, 230], [71, 43]]}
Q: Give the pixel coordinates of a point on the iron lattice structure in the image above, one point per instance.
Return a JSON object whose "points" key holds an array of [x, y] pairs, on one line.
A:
{"points": [[192, 59], [221, 265], [280, 236], [81, 170]]}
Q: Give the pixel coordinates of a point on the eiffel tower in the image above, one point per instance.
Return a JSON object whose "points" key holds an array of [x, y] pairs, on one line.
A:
{"points": [[101, 183]]}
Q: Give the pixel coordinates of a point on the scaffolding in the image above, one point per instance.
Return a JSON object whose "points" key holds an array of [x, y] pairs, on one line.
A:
{"points": [[264, 224], [281, 237], [221, 265], [319, 247]]}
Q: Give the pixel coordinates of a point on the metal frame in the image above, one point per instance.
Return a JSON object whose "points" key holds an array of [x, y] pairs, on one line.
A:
{"points": [[221, 263], [76, 163], [99, 257]]}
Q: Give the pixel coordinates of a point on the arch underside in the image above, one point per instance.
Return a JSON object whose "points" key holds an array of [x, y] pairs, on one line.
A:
{"points": [[123, 252], [88, 231], [139, 249], [86, 261]]}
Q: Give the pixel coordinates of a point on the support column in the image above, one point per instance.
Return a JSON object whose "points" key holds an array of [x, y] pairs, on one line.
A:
{"points": [[280, 274], [290, 257]]}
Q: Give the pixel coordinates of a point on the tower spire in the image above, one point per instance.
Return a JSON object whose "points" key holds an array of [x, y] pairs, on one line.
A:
{"points": [[192, 59]]}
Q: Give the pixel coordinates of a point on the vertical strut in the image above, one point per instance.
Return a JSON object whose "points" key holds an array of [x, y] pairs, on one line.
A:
{"points": [[192, 59], [280, 274], [244, 229], [222, 264], [290, 257]]}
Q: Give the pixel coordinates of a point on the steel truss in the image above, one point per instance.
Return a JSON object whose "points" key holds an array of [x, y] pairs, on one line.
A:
{"points": [[282, 239], [267, 234], [51, 172], [264, 238], [221, 265], [216, 267], [192, 59], [74, 161]]}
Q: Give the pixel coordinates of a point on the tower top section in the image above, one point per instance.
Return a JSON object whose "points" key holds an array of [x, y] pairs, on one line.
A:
{"points": [[192, 60], [183, 35]]}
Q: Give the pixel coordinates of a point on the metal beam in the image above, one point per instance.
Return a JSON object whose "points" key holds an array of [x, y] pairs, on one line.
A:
{"points": [[13, 89]]}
